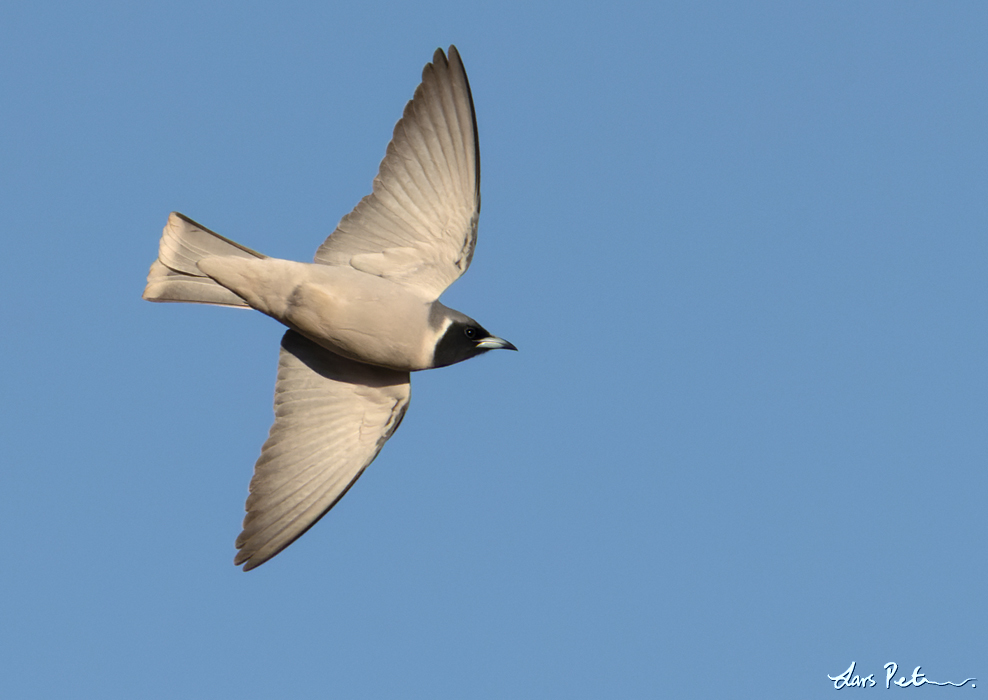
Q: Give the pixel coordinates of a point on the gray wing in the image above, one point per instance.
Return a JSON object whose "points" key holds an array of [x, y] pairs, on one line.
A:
{"points": [[419, 225], [332, 416]]}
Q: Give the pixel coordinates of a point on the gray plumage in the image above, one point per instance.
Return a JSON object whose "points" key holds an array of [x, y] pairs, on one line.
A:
{"points": [[361, 317]]}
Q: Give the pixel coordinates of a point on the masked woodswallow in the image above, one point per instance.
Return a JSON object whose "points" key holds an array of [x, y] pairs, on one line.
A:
{"points": [[360, 318]]}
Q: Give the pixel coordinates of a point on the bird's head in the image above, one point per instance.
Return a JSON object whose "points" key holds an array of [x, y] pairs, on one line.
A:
{"points": [[460, 338]]}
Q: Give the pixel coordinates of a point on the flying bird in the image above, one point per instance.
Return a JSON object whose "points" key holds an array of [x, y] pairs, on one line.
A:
{"points": [[361, 317]]}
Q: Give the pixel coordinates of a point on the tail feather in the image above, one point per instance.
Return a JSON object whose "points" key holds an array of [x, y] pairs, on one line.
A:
{"points": [[175, 275]]}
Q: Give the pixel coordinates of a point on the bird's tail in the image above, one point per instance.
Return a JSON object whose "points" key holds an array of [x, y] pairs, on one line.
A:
{"points": [[175, 275]]}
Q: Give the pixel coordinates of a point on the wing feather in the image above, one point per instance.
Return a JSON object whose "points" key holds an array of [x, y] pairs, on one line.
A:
{"points": [[332, 417], [419, 225]]}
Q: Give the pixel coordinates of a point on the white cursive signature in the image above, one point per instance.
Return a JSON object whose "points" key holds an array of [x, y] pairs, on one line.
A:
{"points": [[918, 678], [850, 679]]}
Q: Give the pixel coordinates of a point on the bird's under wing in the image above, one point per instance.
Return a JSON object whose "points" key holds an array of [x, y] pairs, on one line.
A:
{"points": [[332, 416], [419, 225]]}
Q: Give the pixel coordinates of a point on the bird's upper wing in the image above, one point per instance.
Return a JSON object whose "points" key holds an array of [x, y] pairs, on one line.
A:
{"points": [[419, 225], [332, 416]]}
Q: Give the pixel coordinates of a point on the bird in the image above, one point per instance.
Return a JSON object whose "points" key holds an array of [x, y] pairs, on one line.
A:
{"points": [[361, 317]]}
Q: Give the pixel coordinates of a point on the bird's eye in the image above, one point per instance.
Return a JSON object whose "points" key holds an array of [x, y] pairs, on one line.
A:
{"points": [[471, 333]]}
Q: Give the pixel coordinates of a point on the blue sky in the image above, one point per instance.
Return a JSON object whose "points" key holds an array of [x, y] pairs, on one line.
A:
{"points": [[741, 247]]}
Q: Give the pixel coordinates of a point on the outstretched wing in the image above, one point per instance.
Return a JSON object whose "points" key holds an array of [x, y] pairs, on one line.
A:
{"points": [[419, 225], [332, 416]]}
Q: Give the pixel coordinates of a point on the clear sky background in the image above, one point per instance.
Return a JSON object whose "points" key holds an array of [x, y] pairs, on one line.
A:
{"points": [[741, 247]]}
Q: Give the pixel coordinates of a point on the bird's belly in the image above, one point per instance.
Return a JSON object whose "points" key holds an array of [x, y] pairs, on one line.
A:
{"points": [[361, 316], [369, 320]]}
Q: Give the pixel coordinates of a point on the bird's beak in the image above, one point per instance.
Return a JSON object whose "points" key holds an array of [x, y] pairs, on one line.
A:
{"points": [[493, 343]]}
